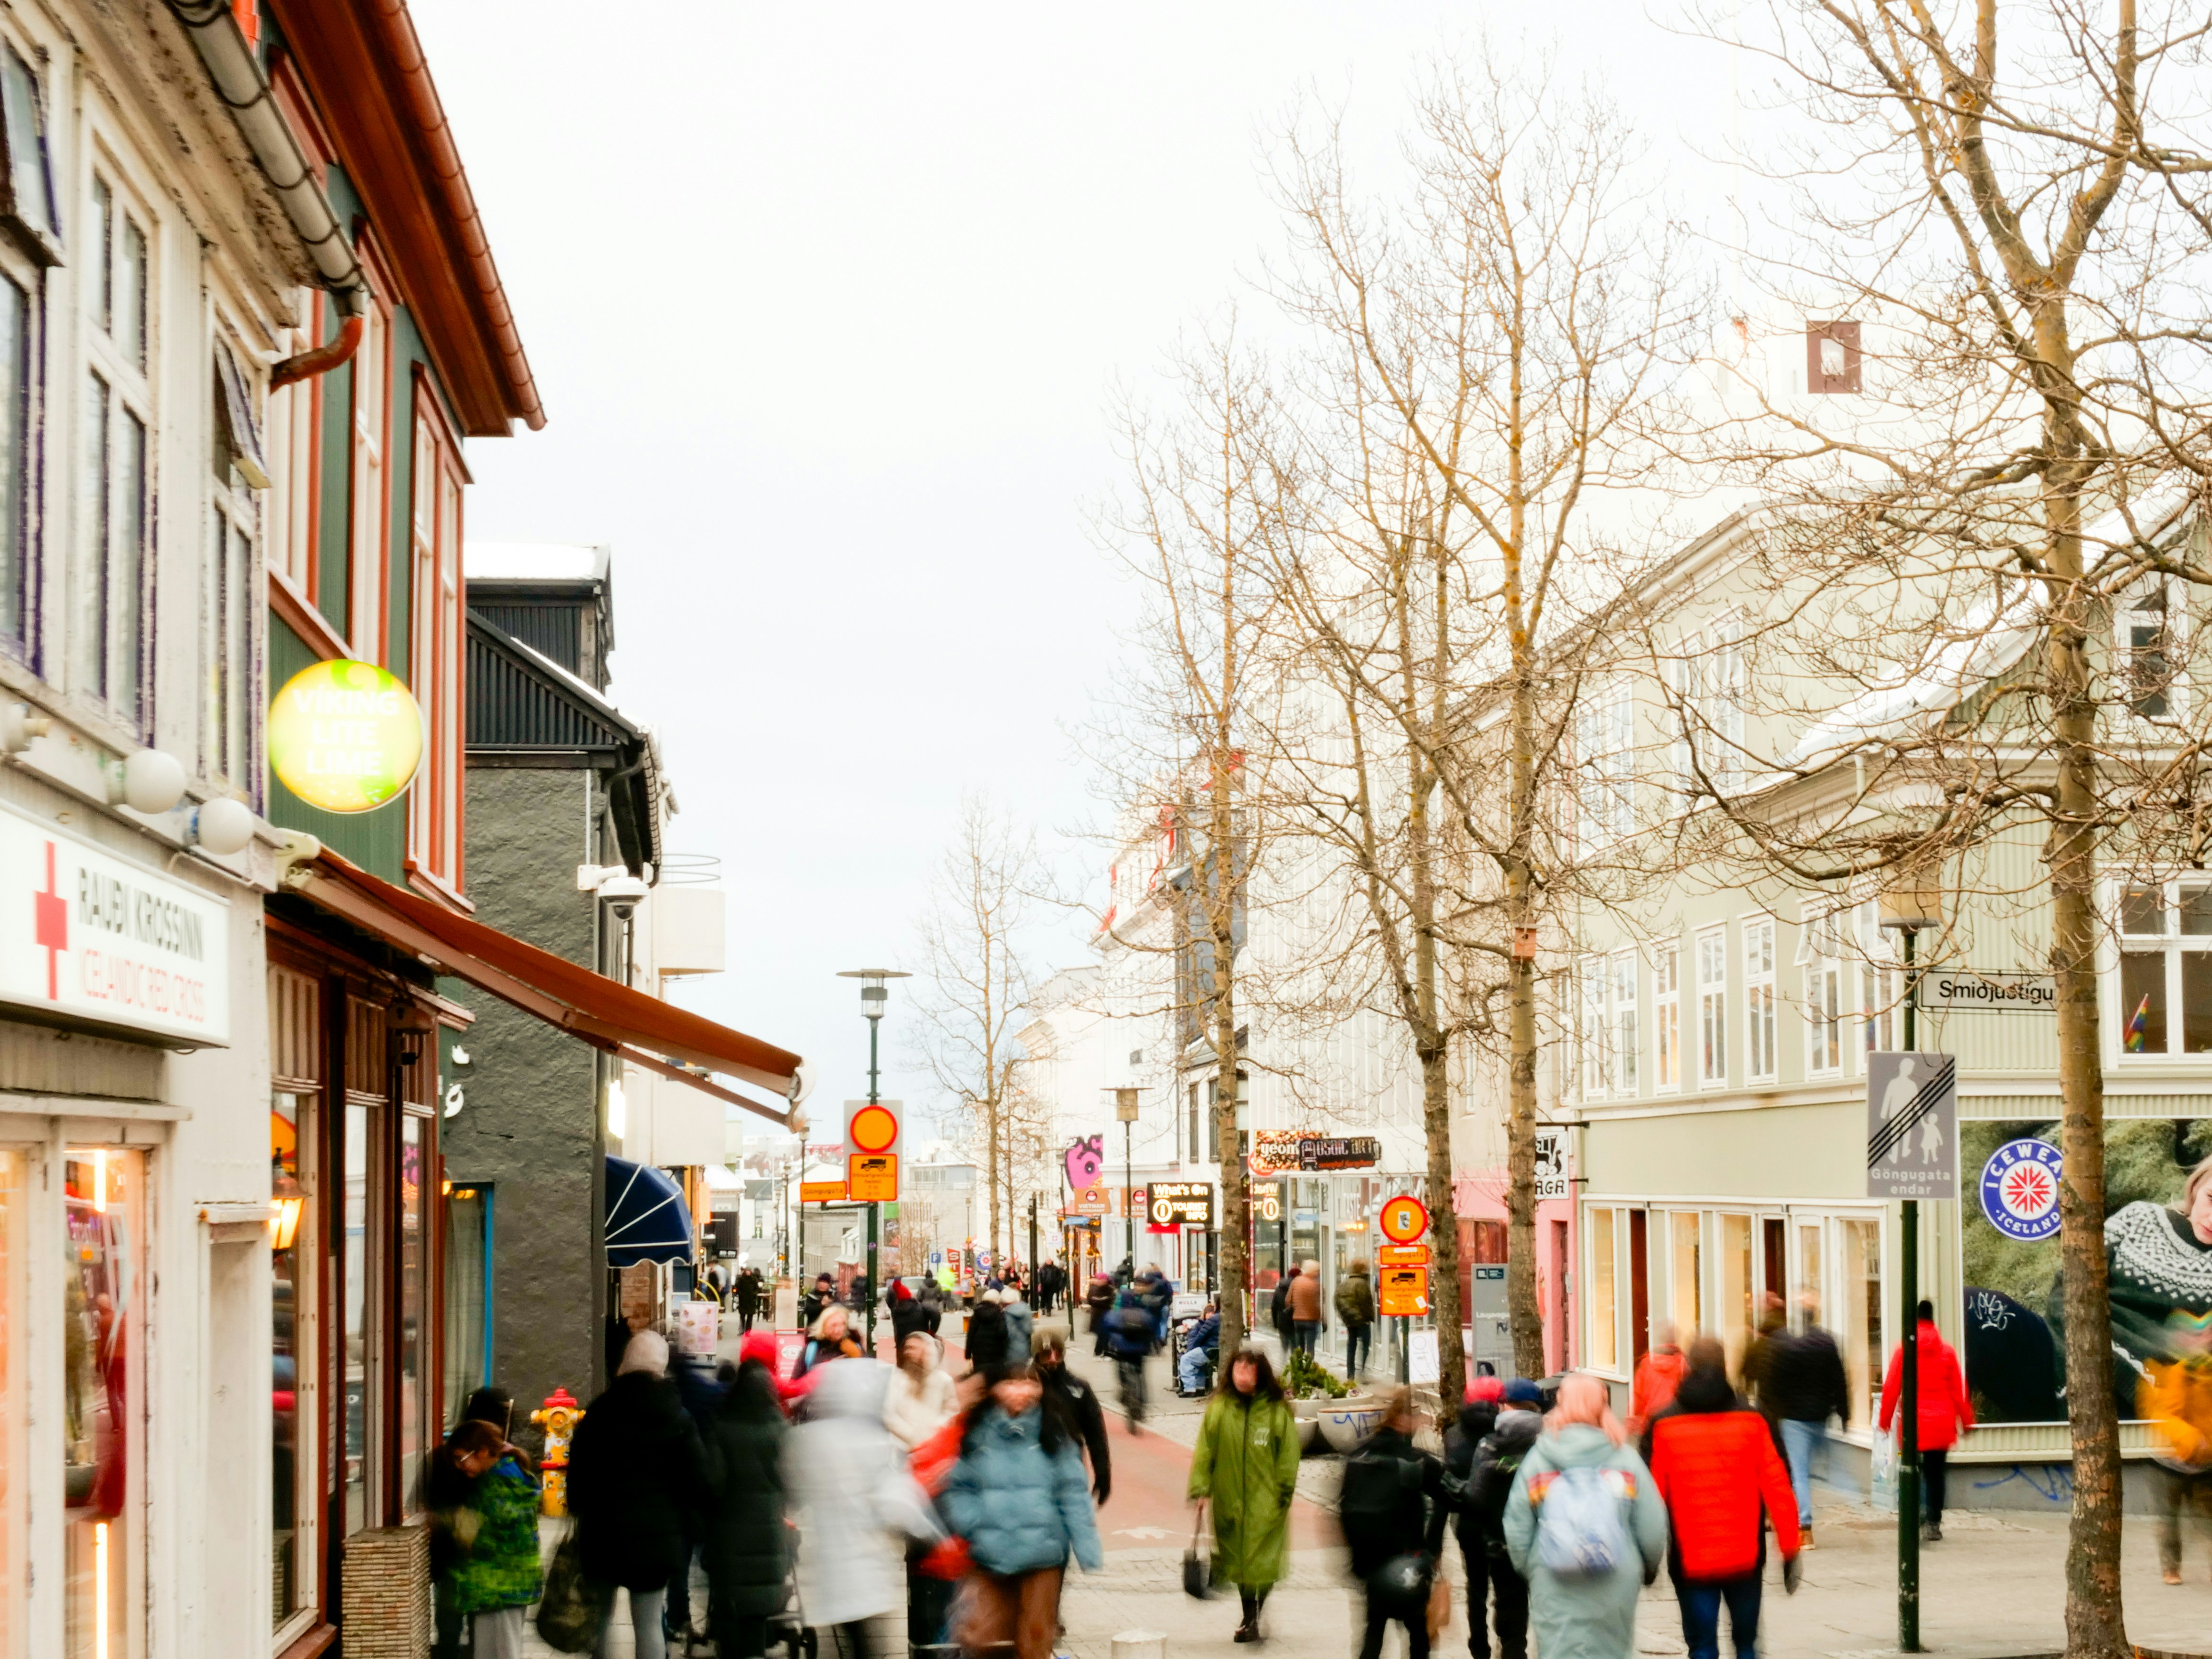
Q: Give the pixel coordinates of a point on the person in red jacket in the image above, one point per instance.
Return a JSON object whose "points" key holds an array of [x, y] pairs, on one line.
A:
{"points": [[1658, 1374], [1944, 1411], [1713, 1461]]}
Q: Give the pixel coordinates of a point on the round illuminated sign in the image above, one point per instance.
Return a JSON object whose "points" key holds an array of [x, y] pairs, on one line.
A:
{"points": [[874, 1130], [344, 736], [1404, 1218], [2019, 1189]]}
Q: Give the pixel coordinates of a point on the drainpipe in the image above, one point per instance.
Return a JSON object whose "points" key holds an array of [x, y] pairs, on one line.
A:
{"points": [[240, 84]]}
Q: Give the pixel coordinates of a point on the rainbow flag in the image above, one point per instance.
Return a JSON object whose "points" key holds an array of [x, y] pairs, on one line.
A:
{"points": [[2132, 1038]]}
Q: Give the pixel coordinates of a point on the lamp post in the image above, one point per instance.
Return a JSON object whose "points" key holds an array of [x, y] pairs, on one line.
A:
{"points": [[1125, 1108], [1906, 910], [875, 995]]}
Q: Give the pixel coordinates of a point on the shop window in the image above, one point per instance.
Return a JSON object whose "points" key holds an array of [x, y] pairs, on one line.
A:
{"points": [[1604, 1297], [1667, 1017], [103, 1404], [14, 1400], [467, 1344], [1686, 1263], [362, 1288], [1759, 1035], [1712, 1007], [1808, 1272], [292, 1235], [1858, 1252], [1737, 1314], [416, 1434], [2166, 969]]}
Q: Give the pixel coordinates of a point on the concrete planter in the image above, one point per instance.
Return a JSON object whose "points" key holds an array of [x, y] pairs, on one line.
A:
{"points": [[1344, 1423]]}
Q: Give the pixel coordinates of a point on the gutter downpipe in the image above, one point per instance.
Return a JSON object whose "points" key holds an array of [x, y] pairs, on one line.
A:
{"points": [[240, 84]]}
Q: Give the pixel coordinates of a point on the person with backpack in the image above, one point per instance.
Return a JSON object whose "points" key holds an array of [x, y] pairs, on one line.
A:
{"points": [[1584, 1527], [1392, 1507], [1129, 1340], [1945, 1409], [1493, 1453], [1245, 1469], [1355, 1306], [1713, 1461]]}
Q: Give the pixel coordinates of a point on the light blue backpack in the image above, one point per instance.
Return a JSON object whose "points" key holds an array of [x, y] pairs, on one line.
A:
{"points": [[1580, 1530]]}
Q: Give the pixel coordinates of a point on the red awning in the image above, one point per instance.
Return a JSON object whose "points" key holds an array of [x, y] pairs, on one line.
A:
{"points": [[641, 1030]]}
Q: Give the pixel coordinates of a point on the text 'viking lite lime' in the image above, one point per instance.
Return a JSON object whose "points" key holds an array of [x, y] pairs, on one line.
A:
{"points": [[344, 736]]}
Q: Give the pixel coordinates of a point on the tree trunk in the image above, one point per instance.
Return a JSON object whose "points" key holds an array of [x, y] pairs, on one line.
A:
{"points": [[991, 1175], [1523, 1311], [2095, 1624], [1446, 1299]]}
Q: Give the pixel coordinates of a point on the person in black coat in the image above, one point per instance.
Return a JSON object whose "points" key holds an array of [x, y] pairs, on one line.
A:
{"points": [[1496, 1461], [1279, 1308], [1048, 1352], [987, 1337], [909, 1316], [748, 1292], [1100, 1300], [1393, 1504], [747, 1544], [636, 1468]]}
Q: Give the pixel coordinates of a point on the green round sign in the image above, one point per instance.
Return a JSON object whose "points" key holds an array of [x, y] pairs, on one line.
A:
{"points": [[346, 736]]}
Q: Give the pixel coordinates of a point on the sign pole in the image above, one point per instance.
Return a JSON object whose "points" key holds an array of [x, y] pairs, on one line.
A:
{"points": [[873, 1208], [1908, 1426]]}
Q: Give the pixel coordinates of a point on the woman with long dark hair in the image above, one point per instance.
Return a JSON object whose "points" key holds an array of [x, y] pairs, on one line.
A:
{"points": [[1020, 1497], [1246, 1465]]}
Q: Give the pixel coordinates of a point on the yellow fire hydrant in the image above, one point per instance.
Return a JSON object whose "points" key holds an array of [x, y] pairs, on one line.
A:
{"points": [[557, 1417]]}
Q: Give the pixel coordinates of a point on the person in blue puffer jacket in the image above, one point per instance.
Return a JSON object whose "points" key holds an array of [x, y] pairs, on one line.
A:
{"points": [[1019, 1497]]}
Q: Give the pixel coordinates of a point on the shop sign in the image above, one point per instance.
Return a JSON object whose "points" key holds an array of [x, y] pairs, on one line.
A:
{"points": [[346, 736], [1551, 1164], [1182, 1203], [1980, 992], [1129, 1200], [1912, 1125], [107, 940], [2019, 1189], [1274, 1152], [1266, 1205], [1091, 1200], [1355, 1153]]}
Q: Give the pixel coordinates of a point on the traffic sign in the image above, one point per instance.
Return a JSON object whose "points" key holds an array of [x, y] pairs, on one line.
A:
{"points": [[1912, 1125], [1404, 1293], [821, 1192], [1404, 1218], [874, 1138], [1404, 1255]]}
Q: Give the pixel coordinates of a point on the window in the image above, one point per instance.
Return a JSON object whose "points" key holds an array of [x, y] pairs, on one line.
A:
{"points": [[29, 172], [2166, 969], [1681, 770], [108, 582], [1738, 1317], [1605, 727], [434, 810], [1686, 1258], [2151, 649], [1666, 1016], [1720, 677], [18, 423], [1859, 1258], [227, 602], [1759, 1035], [1604, 1311], [103, 1363], [1879, 986], [1823, 952], [1593, 978], [1832, 358], [15, 1397], [290, 533], [1712, 1006], [1195, 1154], [366, 550], [1625, 1034]]}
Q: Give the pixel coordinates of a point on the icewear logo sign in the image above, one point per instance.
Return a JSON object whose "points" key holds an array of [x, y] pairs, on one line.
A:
{"points": [[2019, 1189]]}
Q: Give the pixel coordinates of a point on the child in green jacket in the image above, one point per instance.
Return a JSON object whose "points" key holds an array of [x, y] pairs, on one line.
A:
{"points": [[483, 1540]]}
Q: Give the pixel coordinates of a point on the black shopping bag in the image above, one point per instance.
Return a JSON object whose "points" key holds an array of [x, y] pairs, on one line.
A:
{"points": [[1197, 1568], [574, 1608]]}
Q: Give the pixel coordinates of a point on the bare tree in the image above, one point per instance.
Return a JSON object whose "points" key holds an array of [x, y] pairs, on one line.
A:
{"points": [[975, 983], [1995, 252], [1490, 357]]}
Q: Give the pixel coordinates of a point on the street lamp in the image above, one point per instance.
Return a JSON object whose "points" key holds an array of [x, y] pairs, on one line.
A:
{"points": [[875, 996], [1125, 1109]]}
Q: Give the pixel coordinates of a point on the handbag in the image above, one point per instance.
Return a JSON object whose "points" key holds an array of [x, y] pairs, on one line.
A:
{"points": [[1197, 1569], [1440, 1604], [574, 1608]]}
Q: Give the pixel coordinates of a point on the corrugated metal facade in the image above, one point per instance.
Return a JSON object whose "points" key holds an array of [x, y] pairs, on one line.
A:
{"points": [[515, 704]]}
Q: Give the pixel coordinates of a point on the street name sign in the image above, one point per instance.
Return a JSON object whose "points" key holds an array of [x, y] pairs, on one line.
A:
{"points": [[1973, 993], [1404, 1255], [1912, 1126], [821, 1192]]}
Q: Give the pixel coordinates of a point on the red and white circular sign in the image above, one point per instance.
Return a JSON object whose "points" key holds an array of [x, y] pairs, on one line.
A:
{"points": [[1404, 1218]]}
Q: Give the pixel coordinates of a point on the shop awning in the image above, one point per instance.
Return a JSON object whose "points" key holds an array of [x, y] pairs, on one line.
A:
{"points": [[641, 1031], [646, 1217]]}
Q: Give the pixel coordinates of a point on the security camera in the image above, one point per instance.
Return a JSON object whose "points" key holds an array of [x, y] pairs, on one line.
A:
{"points": [[623, 893]]}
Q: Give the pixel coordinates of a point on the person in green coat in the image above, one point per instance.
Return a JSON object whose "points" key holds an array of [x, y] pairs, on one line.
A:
{"points": [[1246, 1461], [483, 1549], [1585, 1616]]}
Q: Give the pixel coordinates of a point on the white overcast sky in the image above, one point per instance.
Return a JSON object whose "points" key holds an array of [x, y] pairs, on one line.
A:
{"points": [[826, 305]]}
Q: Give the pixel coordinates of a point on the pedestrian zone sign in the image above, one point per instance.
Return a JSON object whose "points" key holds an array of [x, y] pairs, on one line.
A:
{"points": [[1912, 1126]]}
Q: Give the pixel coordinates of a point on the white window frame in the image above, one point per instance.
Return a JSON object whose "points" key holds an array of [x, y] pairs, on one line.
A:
{"points": [[1589, 998], [1882, 1009], [1666, 1018], [109, 655], [229, 606], [1712, 954], [2174, 945], [1761, 1026], [367, 537], [2168, 646], [1624, 991], [1828, 1006], [1605, 741]]}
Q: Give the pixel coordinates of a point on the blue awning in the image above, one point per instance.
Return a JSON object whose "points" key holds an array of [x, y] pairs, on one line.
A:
{"points": [[647, 1219]]}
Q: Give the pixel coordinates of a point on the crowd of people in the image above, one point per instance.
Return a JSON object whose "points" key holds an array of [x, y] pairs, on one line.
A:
{"points": [[855, 1491]]}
